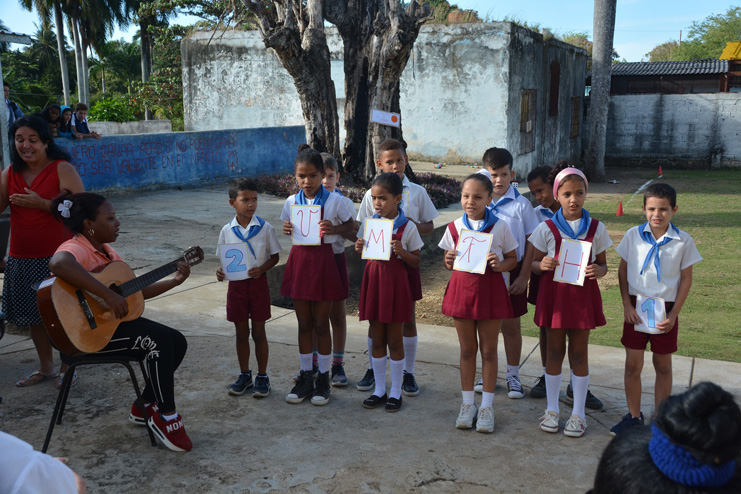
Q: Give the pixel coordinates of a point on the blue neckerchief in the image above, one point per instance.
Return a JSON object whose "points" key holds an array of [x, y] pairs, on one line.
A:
{"points": [[399, 221], [319, 200], [547, 213], [253, 230], [648, 237], [489, 220], [337, 190], [564, 226], [506, 200]]}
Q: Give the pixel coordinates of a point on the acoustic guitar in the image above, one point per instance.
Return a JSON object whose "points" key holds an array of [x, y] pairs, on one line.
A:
{"points": [[79, 322]]}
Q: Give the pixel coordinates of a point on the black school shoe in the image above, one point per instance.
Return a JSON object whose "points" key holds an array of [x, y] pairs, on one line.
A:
{"points": [[393, 404], [593, 403], [304, 388], [374, 401], [321, 391]]}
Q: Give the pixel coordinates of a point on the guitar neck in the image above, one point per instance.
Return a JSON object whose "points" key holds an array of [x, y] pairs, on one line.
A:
{"points": [[141, 282]]}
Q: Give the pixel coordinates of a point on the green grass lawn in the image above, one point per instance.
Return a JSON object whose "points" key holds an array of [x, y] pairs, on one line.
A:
{"points": [[710, 211]]}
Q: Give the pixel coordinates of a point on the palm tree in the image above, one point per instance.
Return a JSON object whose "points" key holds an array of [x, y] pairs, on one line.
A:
{"points": [[118, 59], [44, 7]]}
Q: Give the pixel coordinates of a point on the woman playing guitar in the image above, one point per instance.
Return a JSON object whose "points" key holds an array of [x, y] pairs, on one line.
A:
{"points": [[92, 220]]}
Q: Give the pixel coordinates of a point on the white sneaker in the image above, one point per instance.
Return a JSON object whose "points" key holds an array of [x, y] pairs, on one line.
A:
{"points": [[549, 422], [575, 427], [514, 388], [466, 416], [485, 421], [479, 387]]}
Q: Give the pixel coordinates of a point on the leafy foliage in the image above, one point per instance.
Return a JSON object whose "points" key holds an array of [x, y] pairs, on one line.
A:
{"points": [[707, 39], [581, 40], [111, 110], [665, 52]]}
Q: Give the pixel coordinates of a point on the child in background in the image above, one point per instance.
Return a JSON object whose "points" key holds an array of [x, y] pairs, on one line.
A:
{"points": [[511, 207], [478, 302], [311, 277], [566, 309], [386, 295], [249, 299], [52, 115], [79, 123], [338, 313], [65, 124], [537, 182], [657, 259], [418, 208]]}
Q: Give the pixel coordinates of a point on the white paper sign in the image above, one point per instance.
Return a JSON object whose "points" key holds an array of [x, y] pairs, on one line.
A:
{"points": [[377, 236], [473, 247], [386, 118], [234, 261], [651, 311], [573, 259], [305, 221]]}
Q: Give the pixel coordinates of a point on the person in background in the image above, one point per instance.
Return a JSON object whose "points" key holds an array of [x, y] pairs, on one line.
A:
{"points": [[65, 126], [79, 123]]}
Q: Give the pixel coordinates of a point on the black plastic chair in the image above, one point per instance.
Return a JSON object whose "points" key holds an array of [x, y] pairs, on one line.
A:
{"points": [[95, 359]]}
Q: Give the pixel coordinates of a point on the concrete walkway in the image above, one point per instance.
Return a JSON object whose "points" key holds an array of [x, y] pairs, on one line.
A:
{"points": [[243, 444]]}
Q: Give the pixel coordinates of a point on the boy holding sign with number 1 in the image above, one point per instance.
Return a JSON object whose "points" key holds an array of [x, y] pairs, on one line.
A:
{"points": [[655, 276], [248, 248]]}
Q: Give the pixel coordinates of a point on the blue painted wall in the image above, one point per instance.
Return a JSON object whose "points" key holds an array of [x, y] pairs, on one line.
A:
{"points": [[182, 158]]}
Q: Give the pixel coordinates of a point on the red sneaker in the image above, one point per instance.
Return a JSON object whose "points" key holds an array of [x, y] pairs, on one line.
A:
{"points": [[170, 432], [135, 415]]}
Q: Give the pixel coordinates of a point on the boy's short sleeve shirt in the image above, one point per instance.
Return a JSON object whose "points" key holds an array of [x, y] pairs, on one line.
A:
{"points": [[543, 239], [502, 238], [338, 247], [420, 208], [541, 213], [678, 254], [25, 470], [265, 243]]}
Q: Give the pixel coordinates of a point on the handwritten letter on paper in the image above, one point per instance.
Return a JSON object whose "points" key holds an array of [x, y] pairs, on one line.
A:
{"points": [[473, 247], [305, 221], [377, 238], [651, 311], [572, 261], [234, 261]]}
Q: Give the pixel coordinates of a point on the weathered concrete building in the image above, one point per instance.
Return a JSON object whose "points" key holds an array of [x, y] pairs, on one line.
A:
{"points": [[466, 87]]}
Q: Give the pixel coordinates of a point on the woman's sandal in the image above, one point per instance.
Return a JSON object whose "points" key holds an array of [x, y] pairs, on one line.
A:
{"points": [[35, 377], [61, 378]]}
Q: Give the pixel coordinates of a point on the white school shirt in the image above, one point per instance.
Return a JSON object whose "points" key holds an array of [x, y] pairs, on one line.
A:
{"points": [[539, 213], [265, 243], [420, 208], [675, 256], [410, 239], [543, 239], [502, 239], [25, 471], [333, 210], [520, 218], [338, 246]]}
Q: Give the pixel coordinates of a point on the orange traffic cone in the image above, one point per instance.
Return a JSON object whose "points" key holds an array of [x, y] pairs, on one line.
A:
{"points": [[661, 173], [620, 209]]}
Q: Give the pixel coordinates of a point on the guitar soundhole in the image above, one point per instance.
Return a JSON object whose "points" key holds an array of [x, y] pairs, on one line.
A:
{"points": [[116, 289]]}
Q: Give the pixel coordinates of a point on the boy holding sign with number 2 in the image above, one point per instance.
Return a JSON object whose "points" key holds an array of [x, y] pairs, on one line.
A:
{"points": [[656, 268], [248, 297]]}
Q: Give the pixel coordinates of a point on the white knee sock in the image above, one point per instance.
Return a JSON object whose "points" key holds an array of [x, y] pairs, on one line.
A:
{"points": [[580, 384], [487, 399], [306, 361], [467, 397], [324, 363], [370, 353], [379, 374], [552, 391], [397, 371], [513, 370], [410, 353]]}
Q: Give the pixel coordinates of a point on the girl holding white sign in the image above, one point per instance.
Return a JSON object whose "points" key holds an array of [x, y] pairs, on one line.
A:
{"points": [[567, 307], [478, 249], [311, 277], [386, 294]]}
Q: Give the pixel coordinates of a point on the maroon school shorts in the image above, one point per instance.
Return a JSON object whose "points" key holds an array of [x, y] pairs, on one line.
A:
{"points": [[248, 299], [660, 343], [519, 302]]}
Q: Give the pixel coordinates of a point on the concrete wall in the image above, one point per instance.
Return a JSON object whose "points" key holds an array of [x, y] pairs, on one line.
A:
{"points": [[127, 128], [684, 130], [182, 158], [460, 91]]}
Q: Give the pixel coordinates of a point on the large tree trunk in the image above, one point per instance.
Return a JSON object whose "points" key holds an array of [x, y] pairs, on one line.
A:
{"points": [[85, 72], [604, 30], [296, 34], [378, 36], [78, 58], [59, 21], [146, 57]]}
